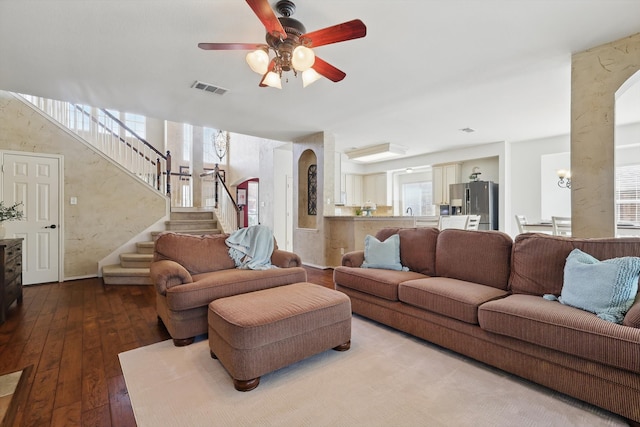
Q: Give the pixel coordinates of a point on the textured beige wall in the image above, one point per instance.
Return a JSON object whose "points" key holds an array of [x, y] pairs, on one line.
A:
{"points": [[310, 243], [596, 75], [112, 205], [346, 234]]}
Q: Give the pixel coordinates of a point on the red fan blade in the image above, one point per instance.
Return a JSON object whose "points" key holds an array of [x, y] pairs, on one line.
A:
{"points": [[338, 33], [268, 18], [272, 65], [328, 70], [230, 46]]}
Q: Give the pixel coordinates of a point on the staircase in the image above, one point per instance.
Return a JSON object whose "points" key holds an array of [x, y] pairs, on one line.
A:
{"points": [[134, 267]]}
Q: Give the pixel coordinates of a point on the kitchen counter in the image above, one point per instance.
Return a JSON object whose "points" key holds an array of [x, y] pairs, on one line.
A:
{"points": [[347, 233], [378, 217]]}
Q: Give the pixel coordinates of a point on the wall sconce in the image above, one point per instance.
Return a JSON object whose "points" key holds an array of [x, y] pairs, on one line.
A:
{"points": [[565, 178]]}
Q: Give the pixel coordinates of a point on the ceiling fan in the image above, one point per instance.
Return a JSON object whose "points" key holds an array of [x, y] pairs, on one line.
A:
{"points": [[291, 45]]}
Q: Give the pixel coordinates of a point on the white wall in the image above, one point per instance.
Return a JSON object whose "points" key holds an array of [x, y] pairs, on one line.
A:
{"points": [[282, 209], [554, 200], [489, 168]]}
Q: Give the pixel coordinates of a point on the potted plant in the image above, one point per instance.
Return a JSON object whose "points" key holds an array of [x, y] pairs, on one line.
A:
{"points": [[9, 213]]}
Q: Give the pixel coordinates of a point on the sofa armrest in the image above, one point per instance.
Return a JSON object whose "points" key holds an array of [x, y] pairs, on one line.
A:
{"points": [[285, 259], [353, 259], [167, 274]]}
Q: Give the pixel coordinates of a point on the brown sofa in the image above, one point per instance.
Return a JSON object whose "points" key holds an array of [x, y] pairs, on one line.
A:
{"points": [[191, 271], [479, 293]]}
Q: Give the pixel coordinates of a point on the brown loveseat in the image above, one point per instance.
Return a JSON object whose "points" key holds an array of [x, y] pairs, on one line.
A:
{"points": [[191, 271], [480, 294]]}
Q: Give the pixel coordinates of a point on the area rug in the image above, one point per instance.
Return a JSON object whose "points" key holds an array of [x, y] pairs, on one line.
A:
{"points": [[13, 394], [387, 378]]}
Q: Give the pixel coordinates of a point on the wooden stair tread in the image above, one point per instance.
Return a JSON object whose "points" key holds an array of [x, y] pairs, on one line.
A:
{"points": [[198, 232], [137, 256], [133, 268], [117, 270]]}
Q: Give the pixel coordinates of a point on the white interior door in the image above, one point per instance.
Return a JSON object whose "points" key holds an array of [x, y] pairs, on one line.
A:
{"points": [[34, 180]]}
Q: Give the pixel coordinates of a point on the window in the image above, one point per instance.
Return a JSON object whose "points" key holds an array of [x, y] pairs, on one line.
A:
{"points": [[110, 124], [418, 196], [628, 194], [187, 142], [208, 149], [80, 117], [136, 123]]}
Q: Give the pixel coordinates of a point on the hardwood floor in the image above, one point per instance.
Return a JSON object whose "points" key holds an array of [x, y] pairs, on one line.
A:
{"points": [[72, 333]]}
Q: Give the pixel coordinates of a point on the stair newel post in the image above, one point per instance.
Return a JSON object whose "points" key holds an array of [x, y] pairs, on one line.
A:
{"points": [[158, 173], [216, 175], [168, 173]]}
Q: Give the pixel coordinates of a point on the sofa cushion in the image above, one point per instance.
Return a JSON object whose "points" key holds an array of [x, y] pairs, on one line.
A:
{"points": [[450, 297], [417, 247], [567, 329], [373, 281], [207, 287], [198, 254], [632, 318], [385, 255], [606, 288], [537, 264], [474, 256]]}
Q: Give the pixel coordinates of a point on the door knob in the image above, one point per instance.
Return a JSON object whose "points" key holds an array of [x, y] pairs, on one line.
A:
{"points": [[51, 226]]}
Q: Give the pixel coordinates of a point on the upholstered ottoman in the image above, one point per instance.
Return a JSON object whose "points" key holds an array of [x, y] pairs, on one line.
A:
{"points": [[258, 332]]}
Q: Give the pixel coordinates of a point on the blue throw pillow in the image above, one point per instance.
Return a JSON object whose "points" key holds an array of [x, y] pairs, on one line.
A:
{"points": [[606, 288], [385, 255]]}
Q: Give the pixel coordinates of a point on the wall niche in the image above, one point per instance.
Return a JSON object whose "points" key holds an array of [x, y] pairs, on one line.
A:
{"points": [[307, 190]]}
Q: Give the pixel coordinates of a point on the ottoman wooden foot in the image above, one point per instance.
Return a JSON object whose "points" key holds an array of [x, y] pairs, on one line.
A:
{"points": [[181, 342], [213, 355], [246, 385], [343, 347]]}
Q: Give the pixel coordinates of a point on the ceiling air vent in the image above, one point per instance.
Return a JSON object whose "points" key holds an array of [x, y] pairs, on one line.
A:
{"points": [[209, 88]]}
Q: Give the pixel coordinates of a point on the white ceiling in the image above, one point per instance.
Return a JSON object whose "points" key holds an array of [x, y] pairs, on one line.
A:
{"points": [[426, 68]]}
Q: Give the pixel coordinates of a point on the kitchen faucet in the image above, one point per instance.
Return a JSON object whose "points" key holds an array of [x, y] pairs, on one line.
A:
{"points": [[409, 211]]}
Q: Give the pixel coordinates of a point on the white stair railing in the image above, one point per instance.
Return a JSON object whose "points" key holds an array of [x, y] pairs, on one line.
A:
{"points": [[216, 194], [112, 137]]}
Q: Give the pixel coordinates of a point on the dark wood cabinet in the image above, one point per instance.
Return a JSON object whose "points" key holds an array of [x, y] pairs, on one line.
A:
{"points": [[10, 274]]}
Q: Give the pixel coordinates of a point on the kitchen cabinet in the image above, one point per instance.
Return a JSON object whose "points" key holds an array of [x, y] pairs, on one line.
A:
{"points": [[443, 176], [375, 188], [353, 189]]}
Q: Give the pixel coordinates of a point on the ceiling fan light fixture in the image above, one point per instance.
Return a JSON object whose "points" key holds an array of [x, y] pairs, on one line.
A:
{"points": [[288, 39], [309, 76], [258, 60], [302, 58], [272, 79]]}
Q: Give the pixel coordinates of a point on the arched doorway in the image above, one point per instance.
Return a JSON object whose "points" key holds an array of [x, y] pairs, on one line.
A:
{"points": [[247, 198]]}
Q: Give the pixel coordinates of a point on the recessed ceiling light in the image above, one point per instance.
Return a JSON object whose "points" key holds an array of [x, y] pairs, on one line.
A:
{"points": [[376, 153]]}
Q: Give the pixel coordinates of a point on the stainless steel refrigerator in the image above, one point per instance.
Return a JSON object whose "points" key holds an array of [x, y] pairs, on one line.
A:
{"points": [[476, 198]]}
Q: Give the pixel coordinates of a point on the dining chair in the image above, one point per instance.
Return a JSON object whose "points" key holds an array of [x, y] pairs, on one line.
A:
{"points": [[453, 221], [474, 222], [521, 220], [561, 225]]}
